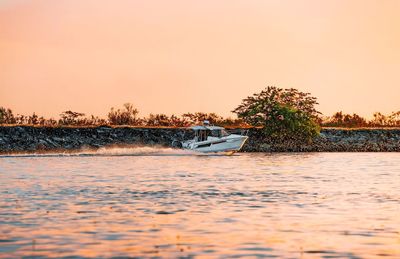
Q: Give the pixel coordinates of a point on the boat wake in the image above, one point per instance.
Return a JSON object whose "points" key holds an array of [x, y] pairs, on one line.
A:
{"points": [[118, 151]]}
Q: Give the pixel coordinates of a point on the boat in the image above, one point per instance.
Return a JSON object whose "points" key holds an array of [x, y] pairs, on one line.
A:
{"points": [[209, 138]]}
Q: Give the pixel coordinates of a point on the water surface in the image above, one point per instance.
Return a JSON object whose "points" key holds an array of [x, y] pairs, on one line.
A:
{"points": [[167, 203]]}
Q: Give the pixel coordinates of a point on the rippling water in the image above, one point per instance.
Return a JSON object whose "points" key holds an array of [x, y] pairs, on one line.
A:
{"points": [[167, 203]]}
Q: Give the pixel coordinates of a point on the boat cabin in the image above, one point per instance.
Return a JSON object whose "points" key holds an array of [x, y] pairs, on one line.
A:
{"points": [[202, 133]]}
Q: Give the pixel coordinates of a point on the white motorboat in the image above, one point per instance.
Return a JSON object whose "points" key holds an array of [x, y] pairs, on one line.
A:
{"points": [[210, 138]]}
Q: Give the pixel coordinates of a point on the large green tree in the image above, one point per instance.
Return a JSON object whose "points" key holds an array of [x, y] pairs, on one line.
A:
{"points": [[284, 114]]}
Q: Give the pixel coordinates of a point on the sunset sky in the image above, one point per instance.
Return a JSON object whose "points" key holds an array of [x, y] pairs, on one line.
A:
{"points": [[186, 56]]}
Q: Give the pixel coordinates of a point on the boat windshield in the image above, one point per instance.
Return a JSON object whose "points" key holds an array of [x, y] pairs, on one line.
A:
{"points": [[224, 133], [219, 133]]}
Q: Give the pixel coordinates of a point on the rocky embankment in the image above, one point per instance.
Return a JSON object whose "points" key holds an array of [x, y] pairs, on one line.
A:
{"points": [[21, 139], [334, 140]]}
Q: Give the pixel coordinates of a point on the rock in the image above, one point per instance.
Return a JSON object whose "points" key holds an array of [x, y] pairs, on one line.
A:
{"points": [[52, 144], [58, 139], [25, 138], [42, 142]]}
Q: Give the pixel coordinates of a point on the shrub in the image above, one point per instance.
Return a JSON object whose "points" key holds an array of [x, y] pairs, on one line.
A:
{"points": [[339, 119], [285, 114], [126, 116], [394, 119], [6, 116], [199, 117], [158, 120], [69, 118]]}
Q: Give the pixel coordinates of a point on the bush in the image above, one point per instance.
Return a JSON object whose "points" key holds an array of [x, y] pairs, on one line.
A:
{"points": [[68, 118], [339, 119], [199, 117], [6, 116], [158, 120], [285, 114], [126, 116]]}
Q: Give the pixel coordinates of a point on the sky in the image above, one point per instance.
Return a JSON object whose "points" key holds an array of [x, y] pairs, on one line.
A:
{"points": [[185, 56]]}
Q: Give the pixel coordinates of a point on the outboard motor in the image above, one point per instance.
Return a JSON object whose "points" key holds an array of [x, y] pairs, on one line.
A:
{"points": [[176, 144]]}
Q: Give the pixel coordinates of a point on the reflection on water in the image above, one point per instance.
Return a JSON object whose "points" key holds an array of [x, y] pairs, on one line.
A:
{"points": [[331, 205]]}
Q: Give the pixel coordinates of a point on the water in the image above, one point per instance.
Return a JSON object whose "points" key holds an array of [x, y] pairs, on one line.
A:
{"points": [[150, 202]]}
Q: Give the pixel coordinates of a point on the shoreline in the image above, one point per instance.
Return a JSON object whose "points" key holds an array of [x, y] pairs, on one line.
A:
{"points": [[32, 139]]}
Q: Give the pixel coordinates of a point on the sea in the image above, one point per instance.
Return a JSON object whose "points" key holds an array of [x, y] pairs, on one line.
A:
{"points": [[153, 202]]}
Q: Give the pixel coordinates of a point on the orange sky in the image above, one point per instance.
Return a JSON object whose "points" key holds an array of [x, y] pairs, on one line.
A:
{"points": [[180, 56]]}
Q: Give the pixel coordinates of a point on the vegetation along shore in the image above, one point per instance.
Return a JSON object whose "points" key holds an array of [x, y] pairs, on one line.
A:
{"points": [[277, 120]]}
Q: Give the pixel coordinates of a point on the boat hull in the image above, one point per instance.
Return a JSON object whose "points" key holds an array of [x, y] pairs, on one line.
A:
{"points": [[232, 144]]}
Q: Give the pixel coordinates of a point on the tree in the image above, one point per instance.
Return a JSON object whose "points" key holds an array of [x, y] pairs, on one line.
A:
{"points": [[33, 119], [339, 119], [10, 119], [6, 116], [394, 119], [158, 120], [285, 114], [379, 120], [199, 117], [126, 116], [69, 118]]}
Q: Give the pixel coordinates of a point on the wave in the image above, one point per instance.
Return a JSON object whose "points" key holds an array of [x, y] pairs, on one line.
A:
{"points": [[117, 151]]}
